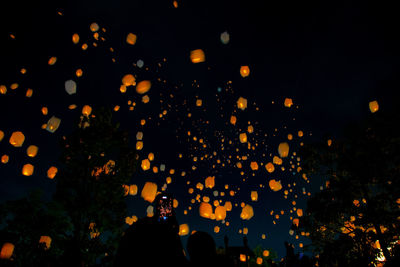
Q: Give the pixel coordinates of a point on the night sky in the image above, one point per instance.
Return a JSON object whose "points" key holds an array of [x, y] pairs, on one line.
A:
{"points": [[331, 58]]}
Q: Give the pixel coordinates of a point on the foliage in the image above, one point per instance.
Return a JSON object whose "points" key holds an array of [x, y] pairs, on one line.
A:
{"points": [[360, 203], [97, 160], [24, 221]]}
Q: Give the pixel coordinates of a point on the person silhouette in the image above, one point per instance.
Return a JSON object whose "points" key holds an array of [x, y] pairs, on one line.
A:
{"points": [[153, 241]]}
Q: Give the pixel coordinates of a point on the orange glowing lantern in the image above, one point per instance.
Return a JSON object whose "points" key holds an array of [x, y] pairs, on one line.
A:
{"points": [[131, 38], [373, 106], [244, 71], [6, 251], [275, 185], [51, 172], [17, 139], [205, 210], [27, 169], [241, 103], [149, 191], [220, 213], [143, 87], [197, 56], [247, 212], [283, 149], [270, 167], [46, 240]]}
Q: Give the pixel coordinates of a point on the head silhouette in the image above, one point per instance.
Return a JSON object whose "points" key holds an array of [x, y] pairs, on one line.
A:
{"points": [[201, 247]]}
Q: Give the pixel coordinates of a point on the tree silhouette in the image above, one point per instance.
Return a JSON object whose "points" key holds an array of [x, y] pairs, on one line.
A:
{"points": [[97, 160], [356, 217]]}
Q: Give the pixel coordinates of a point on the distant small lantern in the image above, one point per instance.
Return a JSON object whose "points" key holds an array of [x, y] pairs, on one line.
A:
{"points": [[7, 251], [275, 185], [183, 229], [197, 56], [32, 151], [51, 172], [46, 240], [133, 190], [269, 167], [288, 102], [254, 195], [243, 138], [75, 38], [241, 103], [86, 110], [131, 38], [373, 106], [283, 149], [244, 71], [145, 164], [52, 124], [210, 182], [27, 169], [233, 120], [17, 139], [254, 165], [143, 87], [247, 212]]}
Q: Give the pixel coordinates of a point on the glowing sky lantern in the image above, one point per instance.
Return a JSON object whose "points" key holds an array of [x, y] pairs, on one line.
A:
{"points": [[139, 145], [27, 169], [70, 87], [139, 135], [143, 87], [131, 38], [220, 213], [233, 120], [210, 182], [288, 102], [3, 89], [373, 106], [197, 56], [205, 210], [46, 240], [254, 195], [86, 110], [199, 102], [247, 212], [270, 167], [51, 172], [183, 229], [17, 139], [241, 103], [7, 251], [149, 191], [145, 164], [277, 160], [228, 206], [75, 38], [94, 27], [4, 159], [52, 61], [133, 190], [283, 149], [244, 71], [275, 185], [150, 211], [52, 124], [243, 138], [1, 135], [224, 37], [29, 92], [31, 151], [254, 165]]}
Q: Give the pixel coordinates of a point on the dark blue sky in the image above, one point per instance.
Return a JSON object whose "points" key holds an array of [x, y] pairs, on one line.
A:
{"points": [[331, 58]]}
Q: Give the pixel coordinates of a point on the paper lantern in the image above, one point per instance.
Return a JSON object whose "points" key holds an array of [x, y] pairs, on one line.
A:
{"points": [[51, 61], [149, 191], [259, 260], [94, 27], [373, 106], [51, 172], [145, 99], [228, 206], [197, 56], [75, 38], [27, 169], [210, 182], [275, 185], [129, 80], [254, 165], [133, 190], [254, 195], [288, 102], [250, 129], [224, 37], [300, 133], [86, 110], [4, 159], [283, 149], [31, 151], [270, 167], [151, 156], [205, 210], [266, 253], [183, 229], [46, 240], [1, 135], [17, 139], [277, 160], [233, 120], [216, 229], [6, 251], [145, 164], [150, 211], [139, 135], [131, 38], [247, 212], [220, 213], [175, 203], [143, 87], [52, 124], [79, 73], [70, 87], [3, 89], [139, 145], [243, 138], [299, 212], [199, 102], [244, 71], [29, 93], [241, 103], [45, 111]]}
